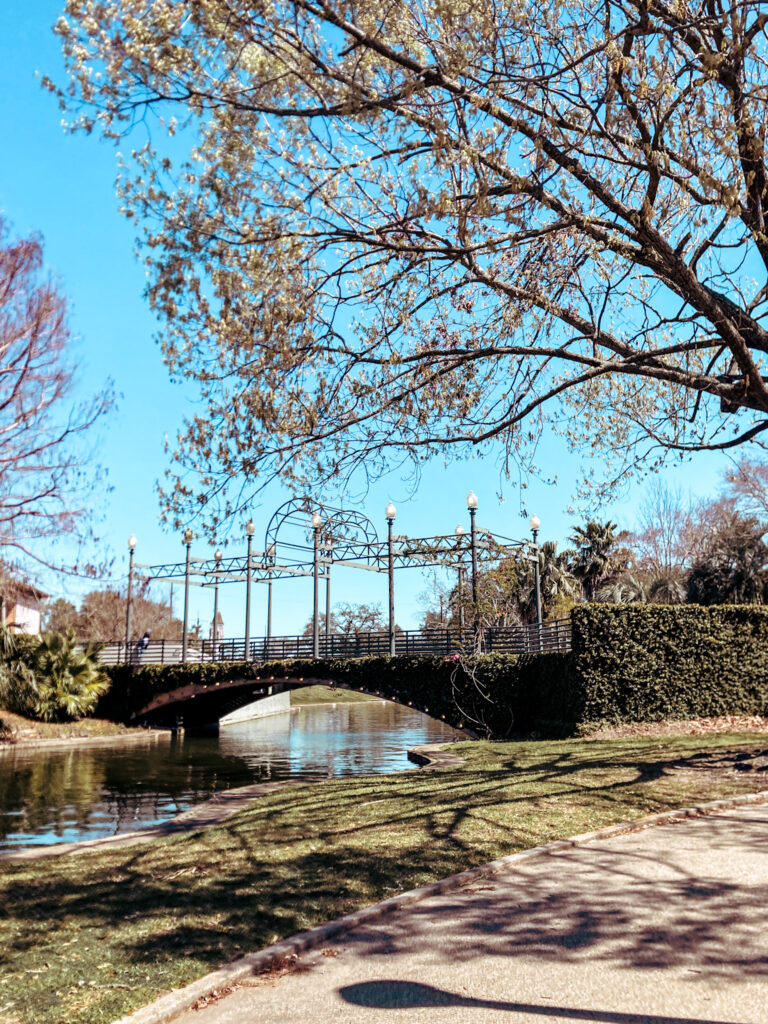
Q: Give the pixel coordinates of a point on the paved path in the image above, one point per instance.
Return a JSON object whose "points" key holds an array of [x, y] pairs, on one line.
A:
{"points": [[663, 926]]}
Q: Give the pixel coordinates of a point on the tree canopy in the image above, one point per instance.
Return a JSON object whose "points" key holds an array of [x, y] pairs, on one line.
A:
{"points": [[387, 230]]}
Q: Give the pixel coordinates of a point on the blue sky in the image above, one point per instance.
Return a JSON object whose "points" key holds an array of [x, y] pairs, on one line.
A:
{"points": [[63, 188]]}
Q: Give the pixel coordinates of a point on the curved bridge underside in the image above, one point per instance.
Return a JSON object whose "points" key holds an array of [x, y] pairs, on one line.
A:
{"points": [[199, 706]]}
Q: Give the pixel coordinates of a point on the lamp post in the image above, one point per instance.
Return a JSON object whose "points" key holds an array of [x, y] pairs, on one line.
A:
{"points": [[459, 531], [390, 512], [317, 522], [328, 563], [535, 523], [128, 651], [188, 535], [249, 532], [472, 507], [217, 555], [271, 562]]}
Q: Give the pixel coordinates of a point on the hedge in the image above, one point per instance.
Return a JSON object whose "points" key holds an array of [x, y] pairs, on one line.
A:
{"points": [[646, 663], [628, 664]]}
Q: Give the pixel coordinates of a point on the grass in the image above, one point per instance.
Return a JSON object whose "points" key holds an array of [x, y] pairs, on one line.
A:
{"points": [[327, 695], [91, 937], [15, 728]]}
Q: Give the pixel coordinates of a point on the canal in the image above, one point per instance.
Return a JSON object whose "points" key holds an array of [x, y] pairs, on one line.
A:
{"points": [[65, 795]]}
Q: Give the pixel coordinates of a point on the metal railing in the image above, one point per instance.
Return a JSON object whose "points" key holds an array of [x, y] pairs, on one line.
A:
{"points": [[551, 636]]}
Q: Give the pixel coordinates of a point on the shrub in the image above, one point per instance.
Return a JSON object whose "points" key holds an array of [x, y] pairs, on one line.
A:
{"points": [[50, 677], [654, 662]]}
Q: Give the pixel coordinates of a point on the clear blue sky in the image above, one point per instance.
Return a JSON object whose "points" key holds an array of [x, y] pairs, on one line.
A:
{"points": [[63, 187]]}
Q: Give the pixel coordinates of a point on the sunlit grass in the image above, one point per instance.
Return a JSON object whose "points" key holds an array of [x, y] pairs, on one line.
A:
{"points": [[15, 728], [319, 694], [90, 937]]}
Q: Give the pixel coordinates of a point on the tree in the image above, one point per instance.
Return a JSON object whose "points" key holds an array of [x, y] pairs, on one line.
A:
{"points": [[102, 616], [664, 536], [733, 566], [598, 558], [747, 486], [413, 227], [352, 618], [44, 482], [59, 615]]}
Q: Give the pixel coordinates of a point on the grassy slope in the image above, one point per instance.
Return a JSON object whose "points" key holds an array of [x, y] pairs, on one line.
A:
{"points": [[90, 937], [14, 728], [327, 695]]}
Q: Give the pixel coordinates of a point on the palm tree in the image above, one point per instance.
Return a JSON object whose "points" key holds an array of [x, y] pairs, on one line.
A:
{"points": [[70, 680], [591, 562], [557, 582], [623, 589], [667, 588]]}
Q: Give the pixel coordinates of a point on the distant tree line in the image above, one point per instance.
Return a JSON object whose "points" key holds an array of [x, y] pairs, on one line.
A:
{"points": [[101, 616], [697, 552]]}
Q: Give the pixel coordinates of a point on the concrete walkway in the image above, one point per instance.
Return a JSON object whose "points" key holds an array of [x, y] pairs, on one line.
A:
{"points": [[662, 926]]}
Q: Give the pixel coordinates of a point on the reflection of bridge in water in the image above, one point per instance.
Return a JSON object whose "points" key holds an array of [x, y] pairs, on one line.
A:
{"points": [[532, 638]]}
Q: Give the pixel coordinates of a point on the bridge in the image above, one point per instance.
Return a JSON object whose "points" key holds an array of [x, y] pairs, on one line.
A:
{"points": [[217, 680]]}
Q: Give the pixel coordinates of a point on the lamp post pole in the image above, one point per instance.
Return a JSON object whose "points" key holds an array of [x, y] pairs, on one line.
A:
{"points": [[128, 651], [390, 513], [249, 531], [271, 560], [217, 558], [188, 542], [317, 522], [535, 524], [472, 507], [459, 534], [328, 596]]}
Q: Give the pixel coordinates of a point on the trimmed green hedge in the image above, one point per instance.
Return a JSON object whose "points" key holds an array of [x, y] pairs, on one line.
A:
{"points": [[646, 663], [629, 664]]}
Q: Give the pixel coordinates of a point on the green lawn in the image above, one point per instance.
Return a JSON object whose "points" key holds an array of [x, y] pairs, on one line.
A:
{"points": [[91, 937], [327, 695]]}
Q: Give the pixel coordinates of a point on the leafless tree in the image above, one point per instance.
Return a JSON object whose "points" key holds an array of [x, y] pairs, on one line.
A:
{"points": [[44, 476]]}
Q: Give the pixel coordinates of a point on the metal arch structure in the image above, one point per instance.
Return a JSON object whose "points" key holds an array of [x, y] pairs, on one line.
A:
{"points": [[340, 526], [344, 538]]}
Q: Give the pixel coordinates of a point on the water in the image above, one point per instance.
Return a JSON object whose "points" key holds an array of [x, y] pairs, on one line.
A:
{"points": [[54, 796]]}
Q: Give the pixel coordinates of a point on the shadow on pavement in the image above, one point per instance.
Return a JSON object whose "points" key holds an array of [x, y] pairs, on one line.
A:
{"points": [[406, 995]]}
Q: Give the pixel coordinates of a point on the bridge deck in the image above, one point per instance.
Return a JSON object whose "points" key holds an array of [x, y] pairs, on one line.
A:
{"points": [[551, 636]]}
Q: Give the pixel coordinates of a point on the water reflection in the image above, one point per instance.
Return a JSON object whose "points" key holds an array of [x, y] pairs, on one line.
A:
{"points": [[56, 796]]}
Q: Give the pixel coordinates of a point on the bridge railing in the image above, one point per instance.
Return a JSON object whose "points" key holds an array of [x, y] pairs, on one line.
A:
{"points": [[554, 635]]}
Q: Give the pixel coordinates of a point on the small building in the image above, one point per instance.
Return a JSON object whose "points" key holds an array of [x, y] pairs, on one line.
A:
{"points": [[20, 605], [217, 627]]}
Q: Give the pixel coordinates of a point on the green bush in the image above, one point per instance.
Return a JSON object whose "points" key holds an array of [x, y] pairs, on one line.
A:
{"points": [[50, 677], [652, 662]]}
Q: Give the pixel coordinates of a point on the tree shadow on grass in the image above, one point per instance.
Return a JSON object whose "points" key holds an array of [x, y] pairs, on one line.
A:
{"points": [[199, 900]]}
